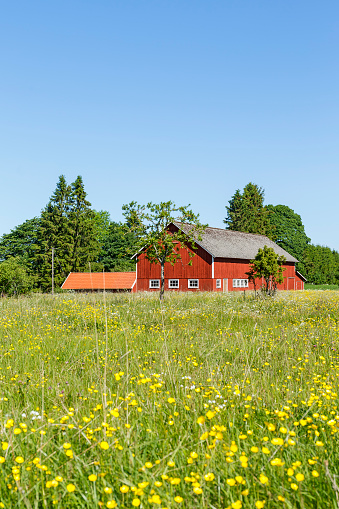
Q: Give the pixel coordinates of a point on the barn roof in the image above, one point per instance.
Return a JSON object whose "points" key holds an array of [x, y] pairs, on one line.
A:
{"points": [[222, 243], [99, 281]]}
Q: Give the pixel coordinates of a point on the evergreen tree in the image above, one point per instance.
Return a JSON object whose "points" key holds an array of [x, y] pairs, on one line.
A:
{"points": [[289, 232], [67, 226], [85, 247], [246, 212], [55, 232]]}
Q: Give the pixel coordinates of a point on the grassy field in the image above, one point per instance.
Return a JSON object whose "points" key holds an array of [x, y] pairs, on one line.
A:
{"points": [[208, 401], [309, 286]]}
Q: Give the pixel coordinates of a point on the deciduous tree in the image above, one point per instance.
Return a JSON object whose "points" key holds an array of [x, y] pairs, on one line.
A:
{"points": [[117, 247], [289, 232], [14, 279], [268, 265], [149, 223]]}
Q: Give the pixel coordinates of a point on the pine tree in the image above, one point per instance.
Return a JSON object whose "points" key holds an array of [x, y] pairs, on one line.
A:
{"points": [[246, 212], [55, 232], [83, 226], [67, 227]]}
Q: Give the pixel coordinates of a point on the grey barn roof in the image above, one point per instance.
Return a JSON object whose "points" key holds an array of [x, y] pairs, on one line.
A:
{"points": [[230, 244]]}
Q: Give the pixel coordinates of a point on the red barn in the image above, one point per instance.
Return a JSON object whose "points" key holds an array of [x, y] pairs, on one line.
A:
{"points": [[220, 264]]}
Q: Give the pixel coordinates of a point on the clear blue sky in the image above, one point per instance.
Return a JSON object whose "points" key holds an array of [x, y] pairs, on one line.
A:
{"points": [[171, 99]]}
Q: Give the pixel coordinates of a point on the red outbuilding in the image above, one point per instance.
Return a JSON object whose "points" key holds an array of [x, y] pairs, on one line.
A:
{"points": [[220, 262], [100, 281]]}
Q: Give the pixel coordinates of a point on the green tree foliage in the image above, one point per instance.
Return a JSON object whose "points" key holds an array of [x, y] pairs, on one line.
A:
{"points": [[321, 265], [149, 224], [21, 243], [68, 225], [289, 232], [246, 212], [14, 279], [85, 247], [268, 265], [117, 247], [102, 221]]}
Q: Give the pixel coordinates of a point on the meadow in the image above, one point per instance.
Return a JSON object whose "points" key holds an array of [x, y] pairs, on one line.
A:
{"points": [[204, 401]]}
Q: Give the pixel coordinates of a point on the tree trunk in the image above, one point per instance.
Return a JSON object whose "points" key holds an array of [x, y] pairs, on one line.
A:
{"points": [[162, 288]]}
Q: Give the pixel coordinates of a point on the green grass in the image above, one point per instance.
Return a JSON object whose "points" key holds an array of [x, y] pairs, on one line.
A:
{"points": [[207, 401], [310, 286]]}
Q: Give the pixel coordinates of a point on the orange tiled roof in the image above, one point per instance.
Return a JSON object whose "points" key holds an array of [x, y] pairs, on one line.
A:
{"points": [[99, 281]]}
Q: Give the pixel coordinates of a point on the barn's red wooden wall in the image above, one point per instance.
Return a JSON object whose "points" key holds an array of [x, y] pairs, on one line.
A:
{"points": [[201, 269], [236, 268], [201, 266]]}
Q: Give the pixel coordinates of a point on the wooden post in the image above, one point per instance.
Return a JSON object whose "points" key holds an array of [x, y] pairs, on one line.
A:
{"points": [[52, 270]]}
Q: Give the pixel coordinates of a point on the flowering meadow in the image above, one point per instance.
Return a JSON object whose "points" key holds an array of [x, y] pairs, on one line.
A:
{"points": [[204, 401]]}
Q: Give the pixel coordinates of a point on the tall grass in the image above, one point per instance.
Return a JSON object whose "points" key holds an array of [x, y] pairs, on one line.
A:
{"points": [[206, 400]]}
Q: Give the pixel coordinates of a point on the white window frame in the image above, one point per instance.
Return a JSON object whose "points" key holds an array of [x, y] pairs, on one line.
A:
{"points": [[175, 282], [191, 283], [154, 283], [240, 283], [218, 283]]}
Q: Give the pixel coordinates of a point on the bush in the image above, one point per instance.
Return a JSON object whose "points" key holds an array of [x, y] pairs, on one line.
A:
{"points": [[14, 279]]}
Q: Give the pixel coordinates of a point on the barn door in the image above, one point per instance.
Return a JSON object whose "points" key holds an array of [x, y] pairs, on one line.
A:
{"points": [[225, 285], [290, 283]]}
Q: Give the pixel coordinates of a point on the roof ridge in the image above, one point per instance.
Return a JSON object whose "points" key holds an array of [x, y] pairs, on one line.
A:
{"points": [[225, 230]]}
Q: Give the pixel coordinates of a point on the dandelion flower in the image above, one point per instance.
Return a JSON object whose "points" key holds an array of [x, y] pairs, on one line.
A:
{"points": [[263, 479], [70, 488], [92, 477], [236, 505]]}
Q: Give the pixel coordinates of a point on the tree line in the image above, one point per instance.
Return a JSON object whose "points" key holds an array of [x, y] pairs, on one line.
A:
{"points": [[246, 212], [74, 237]]}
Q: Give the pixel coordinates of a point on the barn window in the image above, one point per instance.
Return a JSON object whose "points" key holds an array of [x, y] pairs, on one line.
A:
{"points": [[218, 283], [173, 283], [154, 283], [193, 283], [240, 283]]}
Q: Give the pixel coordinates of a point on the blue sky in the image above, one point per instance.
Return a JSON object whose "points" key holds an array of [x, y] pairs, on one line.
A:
{"points": [[181, 100]]}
